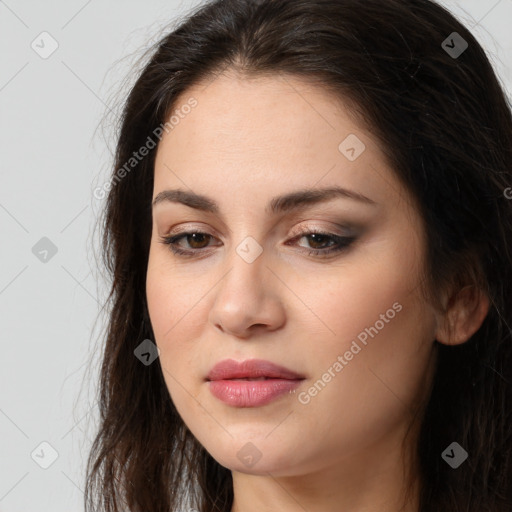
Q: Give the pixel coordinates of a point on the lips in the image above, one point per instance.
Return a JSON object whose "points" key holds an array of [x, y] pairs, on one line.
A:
{"points": [[251, 369], [251, 383]]}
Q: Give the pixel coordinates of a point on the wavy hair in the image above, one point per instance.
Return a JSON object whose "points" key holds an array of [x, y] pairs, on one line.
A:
{"points": [[443, 121]]}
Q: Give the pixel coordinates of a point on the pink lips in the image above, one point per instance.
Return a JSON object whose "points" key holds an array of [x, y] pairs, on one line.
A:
{"points": [[229, 382]]}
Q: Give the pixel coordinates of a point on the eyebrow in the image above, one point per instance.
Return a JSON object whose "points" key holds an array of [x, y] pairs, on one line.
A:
{"points": [[279, 204]]}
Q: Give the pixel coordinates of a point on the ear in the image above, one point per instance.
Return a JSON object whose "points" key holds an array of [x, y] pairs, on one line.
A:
{"points": [[465, 313]]}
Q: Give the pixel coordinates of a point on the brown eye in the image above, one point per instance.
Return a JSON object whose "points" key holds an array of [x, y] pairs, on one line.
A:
{"points": [[197, 241], [318, 239]]}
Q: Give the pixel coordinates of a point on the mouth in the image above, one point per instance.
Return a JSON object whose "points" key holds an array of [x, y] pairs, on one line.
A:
{"points": [[252, 392], [251, 378], [251, 383], [250, 370]]}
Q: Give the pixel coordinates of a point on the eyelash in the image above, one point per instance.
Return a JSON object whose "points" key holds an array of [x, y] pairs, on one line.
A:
{"points": [[342, 243]]}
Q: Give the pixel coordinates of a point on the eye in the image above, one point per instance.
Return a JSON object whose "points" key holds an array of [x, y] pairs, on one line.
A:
{"points": [[317, 238], [197, 237]]}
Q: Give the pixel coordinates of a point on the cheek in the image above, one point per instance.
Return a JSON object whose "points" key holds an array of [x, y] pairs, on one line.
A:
{"points": [[172, 297], [177, 316], [164, 312], [346, 301], [375, 319]]}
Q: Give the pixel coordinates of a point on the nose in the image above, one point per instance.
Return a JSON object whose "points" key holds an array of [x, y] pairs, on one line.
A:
{"points": [[248, 298]]}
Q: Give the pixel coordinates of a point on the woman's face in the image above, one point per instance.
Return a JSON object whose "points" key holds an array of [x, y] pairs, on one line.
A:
{"points": [[351, 323]]}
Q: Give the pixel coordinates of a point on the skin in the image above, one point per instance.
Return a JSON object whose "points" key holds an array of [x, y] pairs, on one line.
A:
{"points": [[246, 141]]}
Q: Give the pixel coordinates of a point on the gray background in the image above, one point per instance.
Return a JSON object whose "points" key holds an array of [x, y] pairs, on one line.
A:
{"points": [[55, 151]]}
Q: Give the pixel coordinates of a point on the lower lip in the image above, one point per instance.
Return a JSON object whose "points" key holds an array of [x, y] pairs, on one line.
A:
{"points": [[251, 393]]}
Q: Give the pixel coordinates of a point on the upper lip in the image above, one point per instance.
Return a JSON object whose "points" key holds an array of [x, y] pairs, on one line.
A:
{"points": [[251, 368]]}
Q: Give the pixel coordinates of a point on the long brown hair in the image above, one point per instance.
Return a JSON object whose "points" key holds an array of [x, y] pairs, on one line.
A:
{"points": [[445, 124]]}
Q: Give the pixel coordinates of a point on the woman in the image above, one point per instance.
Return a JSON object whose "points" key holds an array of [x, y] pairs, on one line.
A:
{"points": [[312, 195]]}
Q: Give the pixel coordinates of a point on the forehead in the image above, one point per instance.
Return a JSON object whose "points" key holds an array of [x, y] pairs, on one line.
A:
{"points": [[265, 135], [239, 115]]}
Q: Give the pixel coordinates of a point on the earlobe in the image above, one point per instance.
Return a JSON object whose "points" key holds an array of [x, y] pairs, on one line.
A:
{"points": [[464, 315]]}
